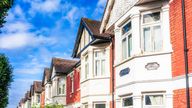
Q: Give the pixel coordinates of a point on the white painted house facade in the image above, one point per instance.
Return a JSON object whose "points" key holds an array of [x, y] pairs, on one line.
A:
{"points": [[142, 52]]}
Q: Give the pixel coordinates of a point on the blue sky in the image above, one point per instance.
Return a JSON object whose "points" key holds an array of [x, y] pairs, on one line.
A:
{"points": [[36, 31]]}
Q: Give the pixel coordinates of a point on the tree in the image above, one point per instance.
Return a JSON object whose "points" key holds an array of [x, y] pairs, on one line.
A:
{"points": [[5, 5], [6, 77]]}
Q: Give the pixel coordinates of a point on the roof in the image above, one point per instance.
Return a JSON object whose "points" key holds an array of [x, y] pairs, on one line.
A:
{"points": [[62, 66], [27, 95], [37, 86], [93, 28], [31, 90], [46, 75]]}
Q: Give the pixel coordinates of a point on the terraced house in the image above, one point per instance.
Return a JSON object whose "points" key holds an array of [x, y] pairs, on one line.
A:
{"points": [[138, 56]]}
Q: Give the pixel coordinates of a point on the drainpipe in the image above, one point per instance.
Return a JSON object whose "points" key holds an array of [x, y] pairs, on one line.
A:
{"points": [[185, 54], [113, 81]]}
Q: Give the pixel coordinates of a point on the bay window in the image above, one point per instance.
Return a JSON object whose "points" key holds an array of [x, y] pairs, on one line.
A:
{"points": [[151, 28], [126, 41], [153, 100], [61, 87], [99, 61], [86, 67], [127, 102], [99, 105]]}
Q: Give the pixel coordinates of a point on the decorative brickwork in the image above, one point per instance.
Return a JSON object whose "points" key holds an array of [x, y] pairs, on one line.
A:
{"points": [[179, 98], [176, 29]]}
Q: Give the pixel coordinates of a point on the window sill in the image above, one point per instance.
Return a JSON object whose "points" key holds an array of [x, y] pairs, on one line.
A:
{"points": [[145, 54], [94, 78]]}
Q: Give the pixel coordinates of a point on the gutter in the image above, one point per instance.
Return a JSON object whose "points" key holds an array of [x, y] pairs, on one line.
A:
{"points": [[185, 54], [113, 72]]}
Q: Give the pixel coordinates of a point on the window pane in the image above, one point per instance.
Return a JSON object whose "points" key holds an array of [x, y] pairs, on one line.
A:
{"points": [[97, 68], [153, 17], [124, 48], [63, 90], [99, 105], [154, 99], [147, 40], [86, 70], [158, 39], [126, 28], [85, 106], [128, 101], [103, 67], [129, 45]]}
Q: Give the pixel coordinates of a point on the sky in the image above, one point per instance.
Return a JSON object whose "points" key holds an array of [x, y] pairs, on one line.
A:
{"points": [[36, 31]]}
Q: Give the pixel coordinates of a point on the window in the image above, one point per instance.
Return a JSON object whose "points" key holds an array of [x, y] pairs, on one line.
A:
{"points": [[126, 41], [72, 83], [151, 27], [153, 100], [86, 67], [85, 106], [61, 87], [127, 102], [99, 63], [38, 98], [99, 105]]}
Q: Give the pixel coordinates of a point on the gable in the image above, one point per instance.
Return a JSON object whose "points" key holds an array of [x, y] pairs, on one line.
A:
{"points": [[85, 39], [114, 10]]}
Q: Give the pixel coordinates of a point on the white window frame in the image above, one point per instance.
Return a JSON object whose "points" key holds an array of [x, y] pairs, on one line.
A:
{"points": [[95, 103], [154, 94], [61, 83], [100, 59], [72, 82], [126, 36], [86, 104], [86, 65], [123, 103], [150, 25]]}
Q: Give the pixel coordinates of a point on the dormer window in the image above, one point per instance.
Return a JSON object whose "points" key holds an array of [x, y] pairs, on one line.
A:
{"points": [[151, 28]]}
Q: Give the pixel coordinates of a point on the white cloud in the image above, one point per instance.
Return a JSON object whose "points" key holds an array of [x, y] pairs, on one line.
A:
{"points": [[23, 39], [17, 27], [74, 14], [44, 6], [99, 8]]}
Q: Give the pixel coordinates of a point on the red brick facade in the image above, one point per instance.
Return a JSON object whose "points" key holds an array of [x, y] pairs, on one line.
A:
{"points": [[75, 96], [179, 98], [178, 66], [42, 99]]}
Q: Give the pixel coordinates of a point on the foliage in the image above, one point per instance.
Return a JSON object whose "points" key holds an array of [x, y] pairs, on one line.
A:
{"points": [[35, 106], [54, 106], [6, 77], [5, 5]]}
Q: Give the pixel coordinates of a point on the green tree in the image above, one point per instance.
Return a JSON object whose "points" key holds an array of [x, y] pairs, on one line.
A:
{"points": [[5, 5], [6, 77]]}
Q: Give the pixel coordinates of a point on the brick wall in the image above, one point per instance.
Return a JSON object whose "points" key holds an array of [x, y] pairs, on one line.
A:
{"points": [[179, 98], [43, 99], [178, 66], [75, 96]]}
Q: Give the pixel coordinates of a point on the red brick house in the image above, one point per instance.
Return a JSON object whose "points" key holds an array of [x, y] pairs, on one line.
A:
{"points": [[73, 87], [177, 27]]}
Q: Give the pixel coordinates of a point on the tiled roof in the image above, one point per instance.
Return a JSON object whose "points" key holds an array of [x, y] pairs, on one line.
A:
{"points": [[94, 27], [46, 75], [31, 90], [63, 65], [37, 86]]}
